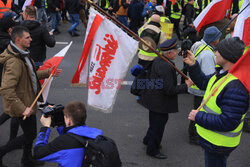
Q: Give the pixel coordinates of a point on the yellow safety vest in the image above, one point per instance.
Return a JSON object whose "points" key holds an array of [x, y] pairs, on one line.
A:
{"points": [[106, 6], [225, 139], [175, 15], [196, 54]]}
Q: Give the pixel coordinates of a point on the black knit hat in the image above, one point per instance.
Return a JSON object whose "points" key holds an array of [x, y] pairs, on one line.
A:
{"points": [[231, 49]]}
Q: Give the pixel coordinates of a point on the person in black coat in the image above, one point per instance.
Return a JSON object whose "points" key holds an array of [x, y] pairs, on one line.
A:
{"points": [[134, 13], [161, 98], [39, 34]]}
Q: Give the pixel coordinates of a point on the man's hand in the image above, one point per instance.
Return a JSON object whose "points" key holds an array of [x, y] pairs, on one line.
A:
{"points": [[189, 82], [190, 59], [45, 121], [28, 111], [57, 71], [192, 115]]}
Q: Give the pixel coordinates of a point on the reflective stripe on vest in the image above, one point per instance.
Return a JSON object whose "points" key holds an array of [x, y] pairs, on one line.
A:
{"points": [[147, 53], [4, 8], [175, 15], [225, 139], [194, 87]]}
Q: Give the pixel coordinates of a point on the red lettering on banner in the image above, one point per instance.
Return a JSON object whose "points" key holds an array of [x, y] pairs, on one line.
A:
{"points": [[105, 62]]}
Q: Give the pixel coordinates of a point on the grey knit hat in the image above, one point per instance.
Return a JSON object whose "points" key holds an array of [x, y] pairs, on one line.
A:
{"points": [[231, 49]]}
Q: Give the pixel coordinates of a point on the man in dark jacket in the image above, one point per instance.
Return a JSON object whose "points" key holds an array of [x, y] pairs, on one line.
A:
{"points": [[41, 11], [73, 8], [53, 9], [65, 149], [6, 25], [219, 122], [161, 97], [39, 34]]}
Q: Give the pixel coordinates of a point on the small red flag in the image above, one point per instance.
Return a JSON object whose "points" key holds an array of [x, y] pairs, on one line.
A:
{"points": [[241, 69]]}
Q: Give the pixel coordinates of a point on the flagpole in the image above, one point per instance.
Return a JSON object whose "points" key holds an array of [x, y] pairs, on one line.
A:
{"points": [[137, 37], [39, 94]]}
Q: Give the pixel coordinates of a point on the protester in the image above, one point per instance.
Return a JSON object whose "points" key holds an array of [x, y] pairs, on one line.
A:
{"points": [[149, 8], [219, 122], [65, 149], [204, 54], [122, 12], [152, 34], [161, 99], [175, 17], [53, 9], [19, 87], [73, 8], [134, 13], [41, 11], [40, 35]]}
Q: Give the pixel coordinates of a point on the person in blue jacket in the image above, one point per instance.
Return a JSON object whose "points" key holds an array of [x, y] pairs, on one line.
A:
{"points": [[65, 149], [219, 122]]}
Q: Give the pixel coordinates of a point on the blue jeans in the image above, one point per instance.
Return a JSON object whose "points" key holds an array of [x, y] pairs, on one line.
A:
{"points": [[75, 20], [123, 20], [55, 20], [215, 160], [41, 14]]}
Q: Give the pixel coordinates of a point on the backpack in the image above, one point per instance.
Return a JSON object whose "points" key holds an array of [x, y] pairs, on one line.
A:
{"points": [[151, 37], [99, 152]]}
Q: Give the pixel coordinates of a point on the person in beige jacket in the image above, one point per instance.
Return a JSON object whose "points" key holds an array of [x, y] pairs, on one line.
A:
{"points": [[152, 34], [19, 87]]}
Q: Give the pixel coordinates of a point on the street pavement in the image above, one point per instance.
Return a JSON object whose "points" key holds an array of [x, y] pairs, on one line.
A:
{"points": [[128, 122]]}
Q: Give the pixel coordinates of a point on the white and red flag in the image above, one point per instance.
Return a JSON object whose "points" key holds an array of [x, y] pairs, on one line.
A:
{"points": [[111, 51], [215, 11], [242, 26], [54, 61], [28, 3]]}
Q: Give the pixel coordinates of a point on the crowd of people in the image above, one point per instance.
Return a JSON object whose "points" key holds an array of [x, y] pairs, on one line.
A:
{"points": [[25, 32]]}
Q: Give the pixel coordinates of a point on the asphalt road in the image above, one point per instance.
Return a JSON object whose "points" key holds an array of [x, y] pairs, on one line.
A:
{"points": [[128, 122]]}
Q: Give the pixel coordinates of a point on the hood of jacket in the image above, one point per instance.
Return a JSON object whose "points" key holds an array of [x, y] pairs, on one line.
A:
{"points": [[86, 131], [30, 24], [12, 51]]}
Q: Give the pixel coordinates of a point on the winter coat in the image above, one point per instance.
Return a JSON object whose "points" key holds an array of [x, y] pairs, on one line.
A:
{"points": [[52, 5], [64, 150], [40, 38], [72, 6], [233, 101], [134, 10], [163, 97], [17, 86]]}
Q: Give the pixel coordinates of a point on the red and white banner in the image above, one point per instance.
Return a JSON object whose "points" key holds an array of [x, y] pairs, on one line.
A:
{"points": [[54, 61], [28, 3], [242, 26], [112, 50], [215, 11]]}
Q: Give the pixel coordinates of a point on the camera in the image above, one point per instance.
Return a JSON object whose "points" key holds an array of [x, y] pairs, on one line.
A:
{"points": [[56, 114], [185, 45]]}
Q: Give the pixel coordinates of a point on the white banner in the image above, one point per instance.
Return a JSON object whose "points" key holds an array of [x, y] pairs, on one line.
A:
{"points": [[112, 51]]}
